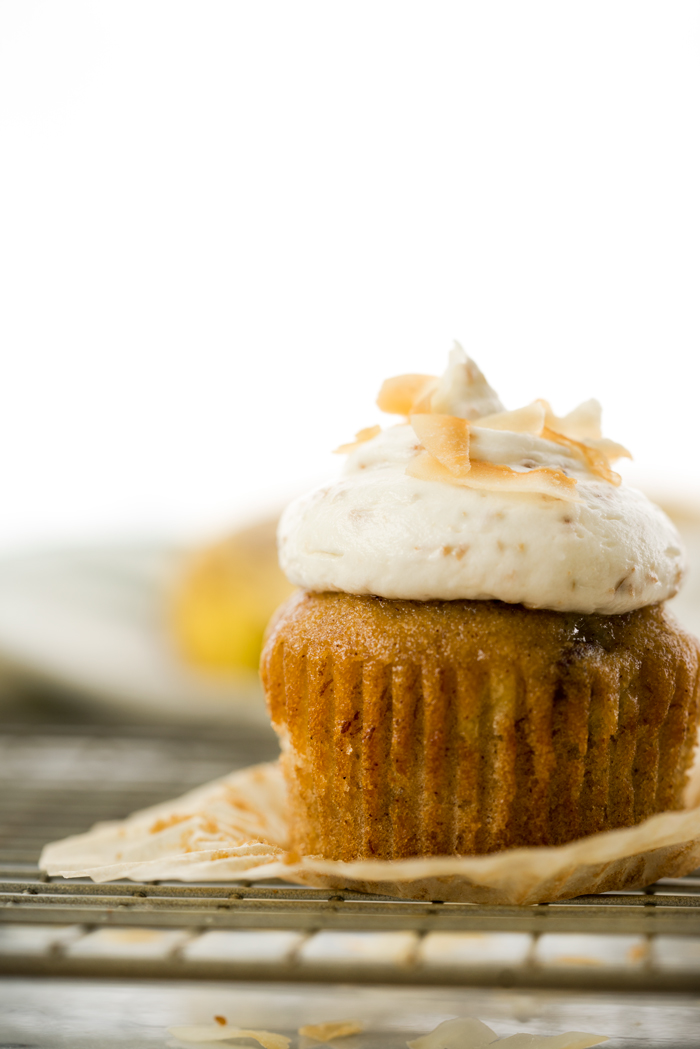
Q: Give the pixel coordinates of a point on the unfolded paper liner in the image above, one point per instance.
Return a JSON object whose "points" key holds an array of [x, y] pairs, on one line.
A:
{"points": [[235, 828]]}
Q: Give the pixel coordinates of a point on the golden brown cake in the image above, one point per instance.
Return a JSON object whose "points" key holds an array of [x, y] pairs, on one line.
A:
{"points": [[479, 657], [450, 727]]}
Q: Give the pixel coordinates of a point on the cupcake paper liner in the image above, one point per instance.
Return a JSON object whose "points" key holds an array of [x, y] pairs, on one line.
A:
{"points": [[469, 728], [236, 827]]}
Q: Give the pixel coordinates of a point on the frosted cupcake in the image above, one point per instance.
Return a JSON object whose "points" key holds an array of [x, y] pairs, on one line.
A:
{"points": [[479, 656]]}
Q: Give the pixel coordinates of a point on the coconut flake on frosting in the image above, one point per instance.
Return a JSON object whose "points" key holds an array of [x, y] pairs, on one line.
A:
{"points": [[436, 407], [464, 499], [446, 440], [360, 437]]}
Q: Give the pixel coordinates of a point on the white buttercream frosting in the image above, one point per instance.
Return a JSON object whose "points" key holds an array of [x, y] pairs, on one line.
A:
{"points": [[378, 530]]}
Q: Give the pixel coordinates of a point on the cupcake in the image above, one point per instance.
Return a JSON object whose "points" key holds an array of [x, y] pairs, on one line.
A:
{"points": [[479, 656]]}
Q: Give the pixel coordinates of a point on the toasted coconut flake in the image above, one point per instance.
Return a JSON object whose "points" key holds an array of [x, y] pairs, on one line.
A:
{"points": [[199, 1034], [468, 1033], [446, 438], [424, 401], [581, 424], [329, 1031], [360, 437], [495, 477], [399, 394], [569, 1040], [584, 422], [463, 1033], [529, 419], [610, 449], [594, 459]]}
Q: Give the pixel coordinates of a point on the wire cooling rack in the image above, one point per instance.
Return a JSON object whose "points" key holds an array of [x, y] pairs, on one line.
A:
{"points": [[57, 780]]}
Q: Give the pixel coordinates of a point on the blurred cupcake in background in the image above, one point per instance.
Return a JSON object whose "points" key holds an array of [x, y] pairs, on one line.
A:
{"points": [[224, 598], [479, 657]]}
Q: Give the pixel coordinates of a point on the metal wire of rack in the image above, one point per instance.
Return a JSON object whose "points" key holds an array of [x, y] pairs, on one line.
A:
{"points": [[59, 780]]}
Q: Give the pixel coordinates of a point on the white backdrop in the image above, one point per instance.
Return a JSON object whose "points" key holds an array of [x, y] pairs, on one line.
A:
{"points": [[222, 224]]}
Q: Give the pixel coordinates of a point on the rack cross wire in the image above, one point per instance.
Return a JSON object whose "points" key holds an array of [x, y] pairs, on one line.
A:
{"points": [[274, 931]]}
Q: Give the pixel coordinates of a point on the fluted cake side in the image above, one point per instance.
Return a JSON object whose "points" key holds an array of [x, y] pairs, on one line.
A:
{"points": [[414, 728]]}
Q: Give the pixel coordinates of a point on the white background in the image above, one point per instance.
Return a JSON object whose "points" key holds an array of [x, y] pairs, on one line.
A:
{"points": [[222, 224]]}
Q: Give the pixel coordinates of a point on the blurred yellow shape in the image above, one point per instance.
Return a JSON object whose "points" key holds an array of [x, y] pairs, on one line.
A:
{"points": [[226, 595]]}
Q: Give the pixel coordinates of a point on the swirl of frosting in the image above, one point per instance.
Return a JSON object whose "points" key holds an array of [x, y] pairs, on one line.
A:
{"points": [[468, 501]]}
